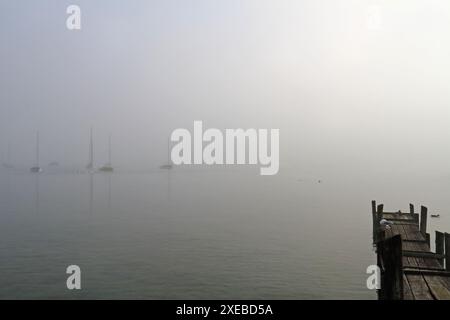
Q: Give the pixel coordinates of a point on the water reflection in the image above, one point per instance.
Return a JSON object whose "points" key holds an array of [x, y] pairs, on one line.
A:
{"points": [[36, 194], [168, 185], [109, 192], [91, 193]]}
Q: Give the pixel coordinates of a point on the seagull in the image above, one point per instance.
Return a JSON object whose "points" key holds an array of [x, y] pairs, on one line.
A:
{"points": [[386, 224]]}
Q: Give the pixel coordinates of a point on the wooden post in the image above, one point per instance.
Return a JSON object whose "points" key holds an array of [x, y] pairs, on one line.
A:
{"points": [[423, 220], [411, 208], [447, 251], [440, 245], [374, 220], [380, 210], [428, 239], [378, 216], [392, 263]]}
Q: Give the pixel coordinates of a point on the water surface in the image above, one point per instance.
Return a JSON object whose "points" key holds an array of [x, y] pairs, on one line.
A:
{"points": [[193, 233]]}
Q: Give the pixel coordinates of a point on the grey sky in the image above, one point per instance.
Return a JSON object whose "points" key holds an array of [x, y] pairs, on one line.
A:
{"points": [[341, 94]]}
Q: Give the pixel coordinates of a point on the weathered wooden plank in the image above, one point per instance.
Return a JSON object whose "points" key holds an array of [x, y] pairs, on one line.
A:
{"points": [[415, 246], [430, 262], [406, 263], [413, 233], [437, 288], [397, 213], [407, 292], [411, 223], [397, 217], [397, 230], [414, 267], [429, 272], [419, 263], [419, 287], [412, 261], [422, 254], [446, 282], [422, 257], [417, 241]]}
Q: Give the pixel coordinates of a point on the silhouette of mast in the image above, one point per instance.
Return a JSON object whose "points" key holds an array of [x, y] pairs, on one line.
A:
{"points": [[109, 150], [36, 168], [8, 156], [37, 149], [91, 152]]}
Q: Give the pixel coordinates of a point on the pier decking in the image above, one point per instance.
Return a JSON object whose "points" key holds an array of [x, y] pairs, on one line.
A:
{"points": [[409, 270]]}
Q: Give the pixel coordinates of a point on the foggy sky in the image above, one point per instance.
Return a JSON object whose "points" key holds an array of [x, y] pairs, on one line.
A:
{"points": [[345, 97]]}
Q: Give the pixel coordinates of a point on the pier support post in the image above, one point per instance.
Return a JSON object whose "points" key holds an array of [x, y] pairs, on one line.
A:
{"points": [[378, 233], [423, 220], [447, 251], [411, 208], [390, 251], [374, 221], [440, 245], [380, 208]]}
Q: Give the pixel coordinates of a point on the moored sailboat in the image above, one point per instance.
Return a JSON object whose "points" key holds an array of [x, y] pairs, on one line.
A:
{"points": [[108, 166], [36, 168], [169, 164]]}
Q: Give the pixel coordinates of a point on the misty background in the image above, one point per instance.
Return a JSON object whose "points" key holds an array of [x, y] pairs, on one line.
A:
{"points": [[359, 90], [346, 97]]}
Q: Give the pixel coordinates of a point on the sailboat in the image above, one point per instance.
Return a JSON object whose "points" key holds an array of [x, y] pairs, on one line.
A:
{"points": [[7, 164], [108, 167], [36, 168], [90, 165], [169, 164]]}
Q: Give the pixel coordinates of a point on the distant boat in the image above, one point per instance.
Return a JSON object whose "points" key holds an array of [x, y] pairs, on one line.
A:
{"points": [[435, 215], [108, 167], [36, 168], [169, 164]]}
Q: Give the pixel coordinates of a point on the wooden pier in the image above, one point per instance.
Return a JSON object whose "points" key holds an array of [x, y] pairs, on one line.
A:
{"points": [[409, 269]]}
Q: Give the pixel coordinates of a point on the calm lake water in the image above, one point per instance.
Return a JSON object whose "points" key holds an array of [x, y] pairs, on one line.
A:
{"points": [[197, 234]]}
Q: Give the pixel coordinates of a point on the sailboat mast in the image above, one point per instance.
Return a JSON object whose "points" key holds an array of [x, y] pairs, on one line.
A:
{"points": [[37, 149], [109, 149], [8, 155], [91, 151]]}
